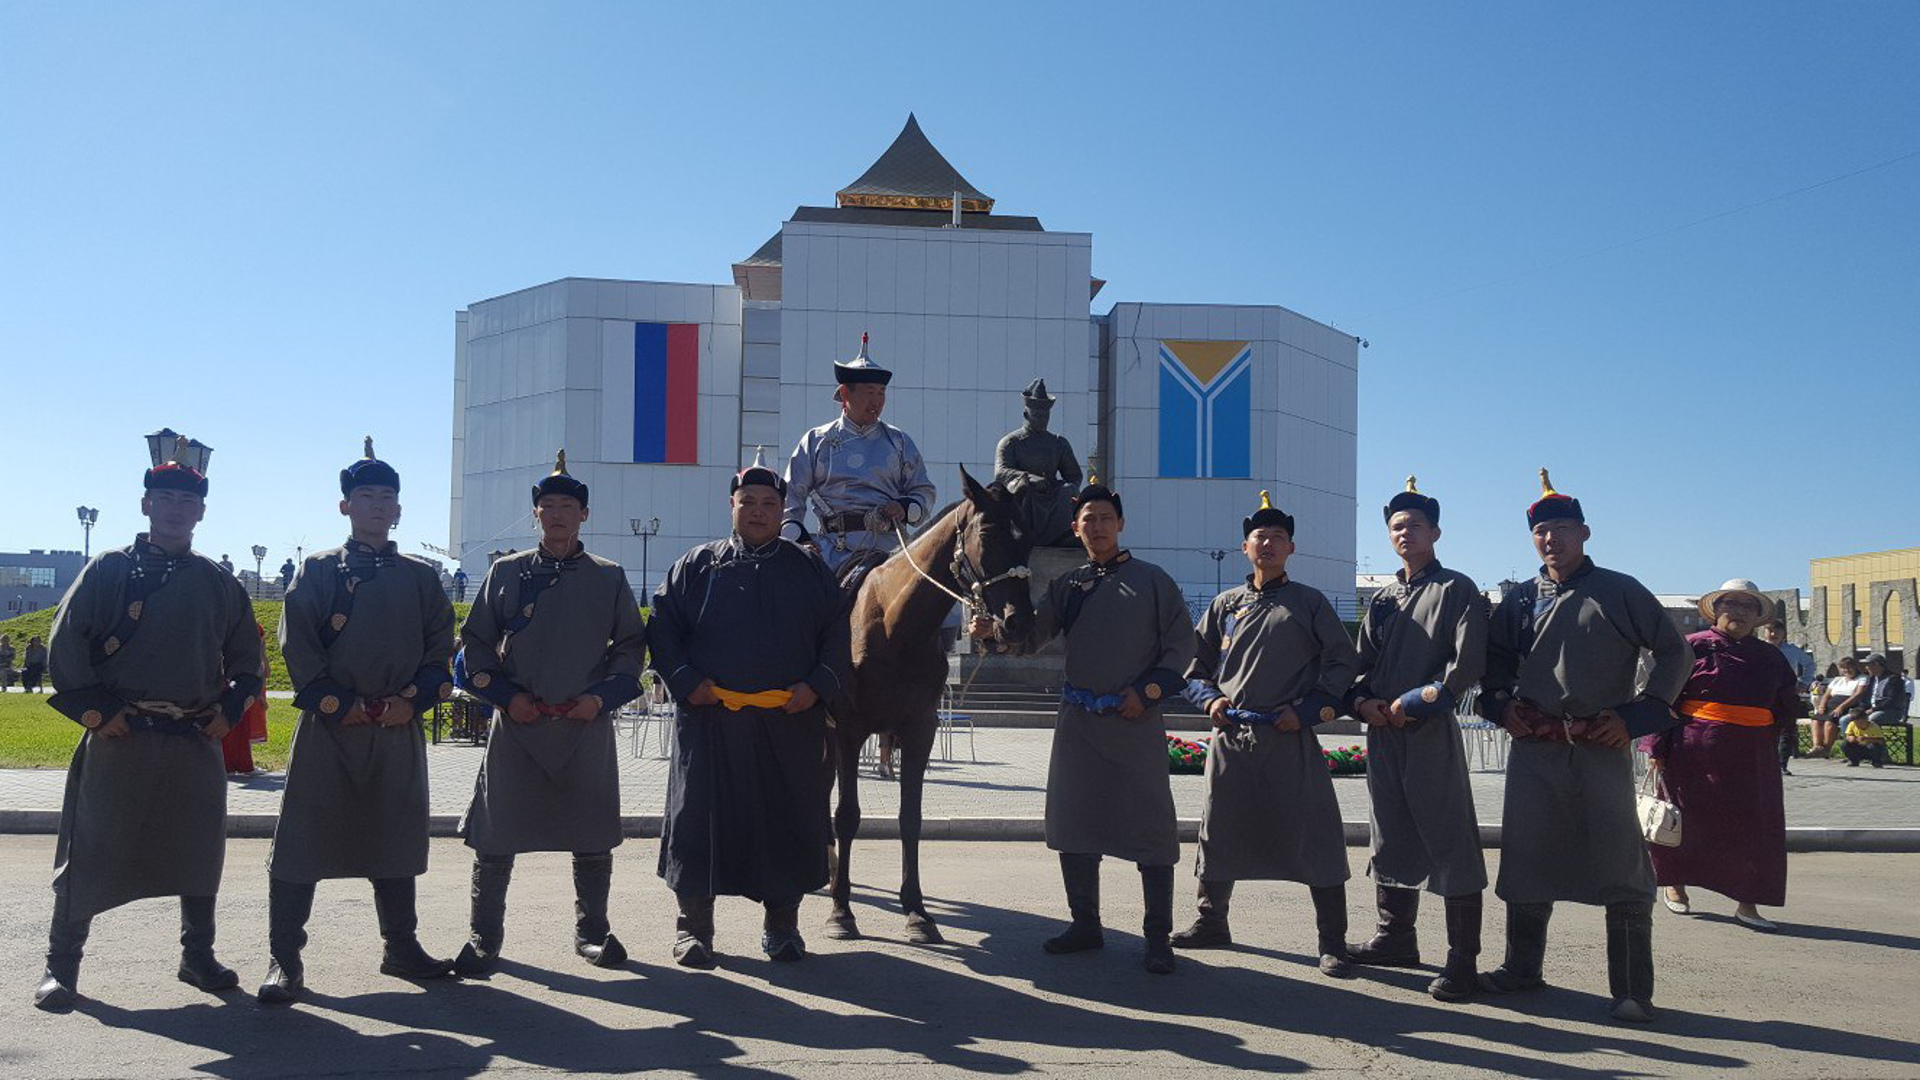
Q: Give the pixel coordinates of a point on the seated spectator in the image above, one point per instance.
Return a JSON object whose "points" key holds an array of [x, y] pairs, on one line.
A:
{"points": [[1844, 691], [1885, 701], [1864, 740], [33, 666]]}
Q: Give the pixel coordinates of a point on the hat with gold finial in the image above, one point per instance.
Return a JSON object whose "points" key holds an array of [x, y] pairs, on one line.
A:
{"points": [[369, 471], [175, 473], [1414, 499], [1095, 491], [1267, 516], [559, 482], [1552, 505], [758, 473]]}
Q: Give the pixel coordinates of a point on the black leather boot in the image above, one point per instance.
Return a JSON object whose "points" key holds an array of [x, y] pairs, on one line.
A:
{"points": [[1209, 931], [1630, 960], [592, 880], [66, 940], [1457, 981], [289, 903], [393, 903], [1081, 873], [693, 932], [198, 966], [1330, 920], [480, 957], [780, 932], [1396, 941], [1526, 950], [1156, 888]]}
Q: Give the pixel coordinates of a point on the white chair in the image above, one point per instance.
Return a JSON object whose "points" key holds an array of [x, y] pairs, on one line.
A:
{"points": [[656, 725], [952, 722]]}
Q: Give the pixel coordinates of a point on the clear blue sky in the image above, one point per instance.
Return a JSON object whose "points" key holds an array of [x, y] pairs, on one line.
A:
{"points": [[253, 222]]}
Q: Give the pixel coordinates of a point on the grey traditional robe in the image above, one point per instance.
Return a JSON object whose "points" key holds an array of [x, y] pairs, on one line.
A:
{"points": [[747, 792], [146, 814], [1270, 811], [1427, 636], [556, 629], [1571, 649], [1126, 625], [356, 797]]}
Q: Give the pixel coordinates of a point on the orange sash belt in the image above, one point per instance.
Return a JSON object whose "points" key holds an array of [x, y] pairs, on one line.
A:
{"points": [[1743, 715]]}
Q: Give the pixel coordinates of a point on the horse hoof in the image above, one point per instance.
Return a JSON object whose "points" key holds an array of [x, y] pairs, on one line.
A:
{"points": [[842, 927], [922, 931]]}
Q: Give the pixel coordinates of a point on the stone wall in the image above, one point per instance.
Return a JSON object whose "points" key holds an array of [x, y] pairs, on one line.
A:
{"points": [[1829, 643]]}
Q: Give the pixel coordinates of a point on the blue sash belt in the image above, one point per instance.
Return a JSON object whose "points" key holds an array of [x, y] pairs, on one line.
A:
{"points": [[1098, 704]]}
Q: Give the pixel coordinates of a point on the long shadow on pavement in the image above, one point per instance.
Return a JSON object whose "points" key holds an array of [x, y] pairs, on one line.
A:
{"points": [[1539, 1028]]}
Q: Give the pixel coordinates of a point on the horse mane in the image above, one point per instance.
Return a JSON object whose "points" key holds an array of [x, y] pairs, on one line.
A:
{"points": [[996, 487]]}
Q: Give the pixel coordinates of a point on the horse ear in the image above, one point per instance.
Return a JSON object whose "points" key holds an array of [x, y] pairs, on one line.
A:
{"points": [[977, 495]]}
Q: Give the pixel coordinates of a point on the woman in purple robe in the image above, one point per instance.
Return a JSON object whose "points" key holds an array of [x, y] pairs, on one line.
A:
{"points": [[1719, 766]]}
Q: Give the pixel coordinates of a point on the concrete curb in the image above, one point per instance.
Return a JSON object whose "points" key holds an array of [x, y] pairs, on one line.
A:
{"points": [[1358, 834]]}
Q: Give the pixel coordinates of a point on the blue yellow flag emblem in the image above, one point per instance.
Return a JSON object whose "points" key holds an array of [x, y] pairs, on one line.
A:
{"points": [[1206, 408]]}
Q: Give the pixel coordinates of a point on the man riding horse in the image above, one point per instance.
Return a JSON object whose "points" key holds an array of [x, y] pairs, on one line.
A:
{"points": [[862, 477]]}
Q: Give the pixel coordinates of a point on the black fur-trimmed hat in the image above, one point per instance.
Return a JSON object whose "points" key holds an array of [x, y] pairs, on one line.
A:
{"points": [[758, 473], [369, 471], [172, 475], [1414, 499], [1095, 491], [559, 482], [1552, 505], [1267, 516]]}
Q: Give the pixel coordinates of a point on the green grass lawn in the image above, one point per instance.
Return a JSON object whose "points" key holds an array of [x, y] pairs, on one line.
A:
{"points": [[33, 736], [266, 611]]}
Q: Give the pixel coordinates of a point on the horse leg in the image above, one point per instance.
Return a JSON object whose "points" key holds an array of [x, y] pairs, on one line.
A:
{"points": [[846, 825], [916, 746]]}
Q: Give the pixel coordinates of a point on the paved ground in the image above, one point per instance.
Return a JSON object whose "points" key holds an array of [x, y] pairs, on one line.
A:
{"points": [[1833, 997], [1009, 781]]}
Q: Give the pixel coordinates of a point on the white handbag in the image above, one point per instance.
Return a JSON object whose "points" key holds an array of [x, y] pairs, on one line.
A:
{"points": [[1659, 819]]}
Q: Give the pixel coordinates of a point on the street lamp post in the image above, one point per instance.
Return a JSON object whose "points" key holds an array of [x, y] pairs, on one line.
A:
{"points": [[259, 556], [646, 531], [88, 515], [1218, 555]]}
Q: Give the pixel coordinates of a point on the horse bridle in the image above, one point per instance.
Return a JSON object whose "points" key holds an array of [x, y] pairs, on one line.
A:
{"points": [[969, 578]]}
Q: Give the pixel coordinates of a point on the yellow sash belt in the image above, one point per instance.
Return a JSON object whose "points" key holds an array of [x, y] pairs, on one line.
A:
{"points": [[735, 700]]}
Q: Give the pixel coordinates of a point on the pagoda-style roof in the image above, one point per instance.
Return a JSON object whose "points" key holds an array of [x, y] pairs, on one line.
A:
{"points": [[912, 175]]}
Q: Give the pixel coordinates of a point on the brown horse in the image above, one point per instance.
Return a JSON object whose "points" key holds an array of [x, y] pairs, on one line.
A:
{"points": [[975, 549]]}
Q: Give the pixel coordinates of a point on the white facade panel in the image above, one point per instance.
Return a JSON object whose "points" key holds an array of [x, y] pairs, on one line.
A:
{"points": [[1300, 428]]}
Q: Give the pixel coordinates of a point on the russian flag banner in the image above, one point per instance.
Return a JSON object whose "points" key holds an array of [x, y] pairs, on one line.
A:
{"points": [[666, 393]]}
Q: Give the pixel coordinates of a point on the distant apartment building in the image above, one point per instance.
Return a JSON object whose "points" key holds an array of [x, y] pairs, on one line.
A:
{"points": [[36, 579]]}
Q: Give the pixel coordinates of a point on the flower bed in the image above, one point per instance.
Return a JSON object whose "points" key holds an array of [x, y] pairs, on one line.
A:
{"points": [[1188, 757]]}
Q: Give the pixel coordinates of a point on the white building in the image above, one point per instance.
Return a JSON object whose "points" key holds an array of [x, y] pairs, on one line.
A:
{"points": [[660, 391]]}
